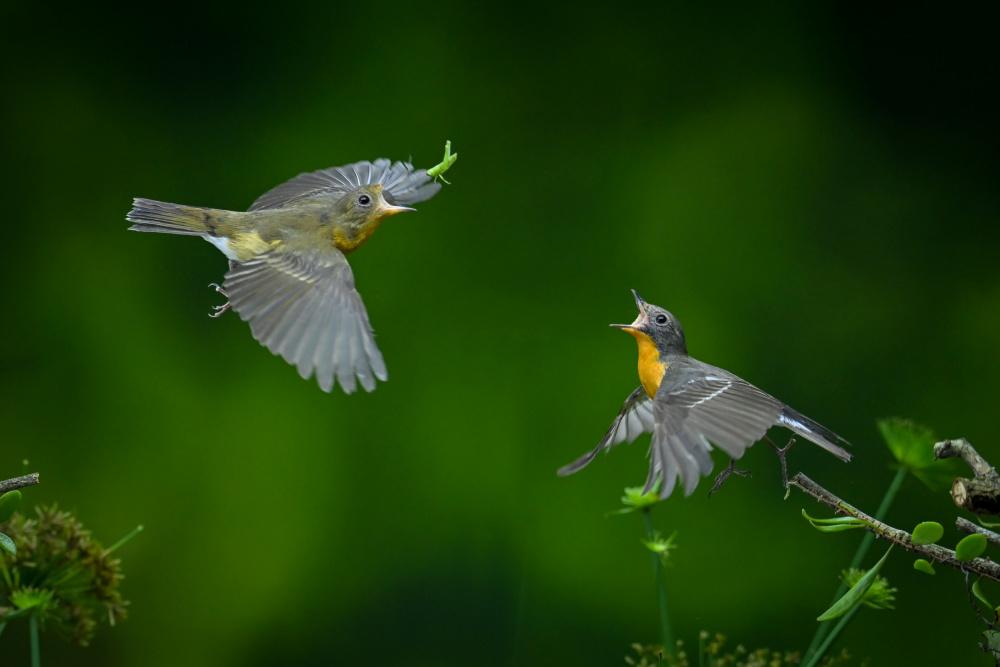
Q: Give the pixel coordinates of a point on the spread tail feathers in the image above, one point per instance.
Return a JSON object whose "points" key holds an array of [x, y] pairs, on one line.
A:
{"points": [[158, 216]]}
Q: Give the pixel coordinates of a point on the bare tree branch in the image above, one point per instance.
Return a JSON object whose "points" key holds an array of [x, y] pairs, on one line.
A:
{"points": [[981, 566], [981, 494], [18, 482]]}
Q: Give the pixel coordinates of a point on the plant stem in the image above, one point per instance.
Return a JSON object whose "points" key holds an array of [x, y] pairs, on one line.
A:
{"points": [[661, 585], [36, 658], [824, 628], [135, 531], [831, 636]]}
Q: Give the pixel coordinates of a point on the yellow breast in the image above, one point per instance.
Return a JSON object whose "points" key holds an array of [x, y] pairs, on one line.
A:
{"points": [[349, 238], [651, 369]]}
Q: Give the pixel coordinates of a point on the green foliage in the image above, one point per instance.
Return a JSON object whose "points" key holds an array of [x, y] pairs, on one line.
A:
{"points": [[60, 575], [912, 445], [858, 592], [977, 590], [836, 524], [880, 595], [992, 640], [924, 566], [660, 546], [712, 654], [971, 546], [7, 544], [8, 505], [927, 532], [634, 499]]}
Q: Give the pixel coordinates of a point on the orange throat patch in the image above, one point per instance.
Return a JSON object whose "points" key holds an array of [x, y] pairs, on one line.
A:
{"points": [[651, 369]]}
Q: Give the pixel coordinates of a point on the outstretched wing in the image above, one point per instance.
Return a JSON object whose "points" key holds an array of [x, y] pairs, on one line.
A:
{"points": [[635, 418], [302, 305], [402, 184], [690, 418]]}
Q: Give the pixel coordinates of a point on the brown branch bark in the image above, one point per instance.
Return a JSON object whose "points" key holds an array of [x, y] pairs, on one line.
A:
{"points": [[981, 566], [981, 494], [18, 482]]}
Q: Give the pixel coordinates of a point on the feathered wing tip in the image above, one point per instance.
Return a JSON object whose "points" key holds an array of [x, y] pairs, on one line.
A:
{"points": [[813, 431], [304, 308], [662, 468], [580, 463], [683, 455], [405, 186], [402, 184], [149, 215], [634, 419]]}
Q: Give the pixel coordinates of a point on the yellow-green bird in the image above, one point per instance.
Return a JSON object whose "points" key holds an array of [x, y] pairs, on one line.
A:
{"points": [[288, 272]]}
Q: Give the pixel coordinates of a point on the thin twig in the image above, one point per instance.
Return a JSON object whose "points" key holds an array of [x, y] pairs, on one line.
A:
{"points": [[981, 566], [18, 482]]}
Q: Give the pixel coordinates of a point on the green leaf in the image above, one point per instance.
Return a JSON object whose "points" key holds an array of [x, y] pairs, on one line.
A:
{"points": [[923, 566], [978, 592], [856, 595], [913, 447], [8, 544], [8, 504], [927, 532], [911, 444], [970, 547], [836, 524]]}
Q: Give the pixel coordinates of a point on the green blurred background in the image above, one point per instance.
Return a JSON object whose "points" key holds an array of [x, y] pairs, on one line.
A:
{"points": [[810, 187]]}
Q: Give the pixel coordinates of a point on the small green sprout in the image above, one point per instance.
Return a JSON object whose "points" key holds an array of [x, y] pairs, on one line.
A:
{"points": [[661, 547]]}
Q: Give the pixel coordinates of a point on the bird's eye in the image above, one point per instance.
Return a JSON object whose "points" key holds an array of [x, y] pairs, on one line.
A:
{"points": [[661, 319], [364, 200]]}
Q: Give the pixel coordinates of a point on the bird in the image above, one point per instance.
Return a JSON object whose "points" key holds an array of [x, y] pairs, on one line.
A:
{"points": [[689, 406], [288, 273]]}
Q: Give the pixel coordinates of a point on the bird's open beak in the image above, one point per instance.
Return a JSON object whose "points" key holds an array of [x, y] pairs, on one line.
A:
{"points": [[641, 320], [388, 209]]}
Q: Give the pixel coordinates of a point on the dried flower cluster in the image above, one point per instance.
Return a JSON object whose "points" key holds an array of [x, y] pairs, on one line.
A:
{"points": [[60, 574], [711, 654]]}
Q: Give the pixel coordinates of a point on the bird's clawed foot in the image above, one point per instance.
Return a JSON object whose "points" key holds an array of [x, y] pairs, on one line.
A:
{"points": [[781, 455], [724, 475], [219, 310]]}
